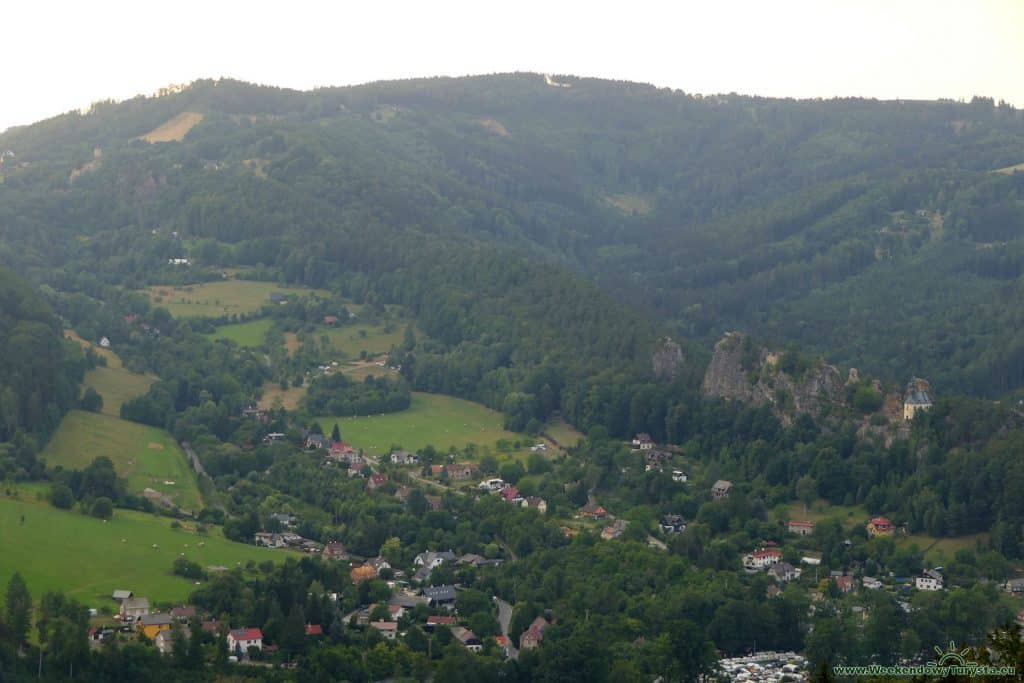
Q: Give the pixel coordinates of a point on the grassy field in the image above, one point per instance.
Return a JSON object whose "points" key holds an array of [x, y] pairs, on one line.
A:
{"points": [[213, 299], [941, 551], [289, 397], [113, 382], [88, 559], [353, 339], [249, 333], [145, 456], [563, 433], [629, 204], [442, 421], [850, 516], [173, 129]]}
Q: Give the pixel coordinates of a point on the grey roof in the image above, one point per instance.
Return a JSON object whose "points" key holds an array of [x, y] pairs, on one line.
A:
{"points": [[408, 601], [155, 619], [919, 398], [122, 594], [439, 593], [136, 603]]}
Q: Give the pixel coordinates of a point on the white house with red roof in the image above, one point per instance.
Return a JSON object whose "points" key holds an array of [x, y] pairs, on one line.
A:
{"points": [[762, 558], [801, 528], [241, 639]]}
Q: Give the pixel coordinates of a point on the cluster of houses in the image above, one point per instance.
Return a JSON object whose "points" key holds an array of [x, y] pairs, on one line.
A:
{"points": [[655, 459], [511, 494]]}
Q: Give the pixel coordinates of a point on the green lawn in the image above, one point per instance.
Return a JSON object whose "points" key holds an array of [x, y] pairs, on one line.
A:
{"points": [[214, 299], [251, 333], [145, 456], [442, 421], [87, 559], [352, 339]]}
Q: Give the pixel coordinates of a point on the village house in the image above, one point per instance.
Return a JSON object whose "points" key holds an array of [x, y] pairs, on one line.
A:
{"points": [[505, 644], [534, 634], [285, 520], [342, 452], [268, 539], [315, 441], [376, 481], [1015, 586], [104, 342], [844, 583], [183, 614], [801, 528], [654, 460], [402, 493], [673, 524], [930, 580], [783, 572], [433, 502], [643, 442], [273, 436], [388, 629], [614, 530], [152, 624], [462, 471], [404, 458], [438, 620], [122, 595], [679, 476], [436, 470], [871, 583], [335, 550], [593, 511], [880, 526], [721, 489], [313, 630], [164, 642], [440, 596], [511, 495], [539, 448], [379, 564], [330, 320], [812, 559], [133, 608], [241, 639], [433, 559], [762, 558], [277, 298], [468, 639], [492, 485], [535, 503]]}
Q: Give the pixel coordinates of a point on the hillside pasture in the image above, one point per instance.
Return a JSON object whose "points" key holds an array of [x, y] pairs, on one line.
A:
{"points": [[442, 421], [87, 558], [273, 391], [113, 382], [250, 333], [941, 551], [215, 299], [145, 456], [352, 340], [174, 129]]}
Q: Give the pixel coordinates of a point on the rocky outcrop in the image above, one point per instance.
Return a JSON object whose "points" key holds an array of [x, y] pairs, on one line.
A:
{"points": [[739, 372], [667, 360]]}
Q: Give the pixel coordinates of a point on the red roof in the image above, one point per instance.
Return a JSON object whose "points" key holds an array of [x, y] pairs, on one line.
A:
{"points": [[434, 619], [802, 524], [314, 630], [247, 634], [880, 522], [768, 552], [510, 493]]}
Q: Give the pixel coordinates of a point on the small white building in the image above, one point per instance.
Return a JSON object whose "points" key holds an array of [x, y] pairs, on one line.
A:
{"points": [[930, 580], [679, 476], [104, 342]]}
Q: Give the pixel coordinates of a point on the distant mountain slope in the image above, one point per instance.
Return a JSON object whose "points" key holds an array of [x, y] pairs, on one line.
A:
{"points": [[871, 232]]}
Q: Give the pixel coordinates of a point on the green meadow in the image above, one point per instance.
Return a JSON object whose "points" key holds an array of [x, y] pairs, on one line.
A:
{"points": [[214, 299], [146, 456], [441, 421], [88, 558], [250, 333]]}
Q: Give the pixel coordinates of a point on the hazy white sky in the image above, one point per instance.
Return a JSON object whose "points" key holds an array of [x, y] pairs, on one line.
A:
{"points": [[64, 55]]}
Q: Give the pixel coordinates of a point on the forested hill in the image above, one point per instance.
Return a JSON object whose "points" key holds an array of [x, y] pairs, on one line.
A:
{"points": [[39, 373], [874, 233]]}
